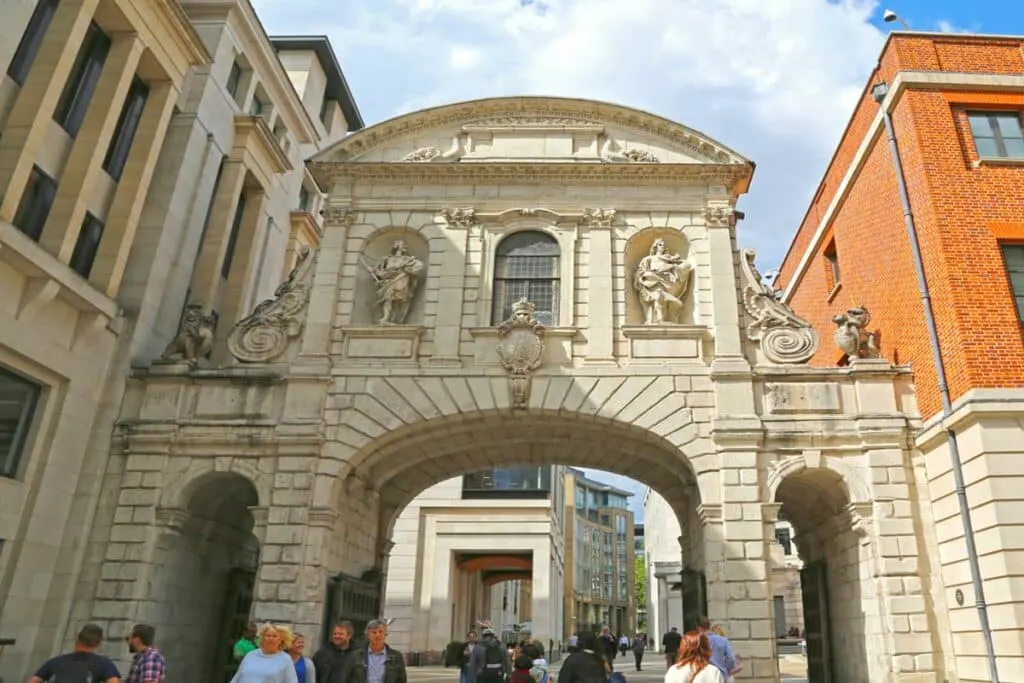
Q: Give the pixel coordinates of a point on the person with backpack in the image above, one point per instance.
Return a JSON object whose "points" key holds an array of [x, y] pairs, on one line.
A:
{"points": [[491, 660], [83, 665]]}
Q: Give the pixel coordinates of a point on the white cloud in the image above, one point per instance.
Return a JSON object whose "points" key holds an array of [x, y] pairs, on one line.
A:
{"points": [[464, 57]]}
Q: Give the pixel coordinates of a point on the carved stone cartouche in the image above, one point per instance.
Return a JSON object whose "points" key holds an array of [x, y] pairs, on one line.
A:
{"points": [[521, 349], [264, 335], [195, 336], [851, 336], [785, 337], [396, 277], [661, 281]]}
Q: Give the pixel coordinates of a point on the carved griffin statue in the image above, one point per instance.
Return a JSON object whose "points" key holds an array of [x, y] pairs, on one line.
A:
{"points": [[851, 337], [195, 335]]}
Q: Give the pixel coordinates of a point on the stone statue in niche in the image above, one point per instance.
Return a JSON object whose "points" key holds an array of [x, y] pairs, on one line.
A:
{"points": [[851, 337], [195, 336], [396, 277], [661, 281]]}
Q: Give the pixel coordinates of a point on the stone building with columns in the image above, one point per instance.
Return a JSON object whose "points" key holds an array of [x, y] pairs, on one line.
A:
{"points": [[526, 281], [131, 136], [529, 281]]}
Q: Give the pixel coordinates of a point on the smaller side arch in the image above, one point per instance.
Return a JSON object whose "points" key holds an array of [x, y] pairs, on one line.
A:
{"points": [[856, 484], [179, 491]]}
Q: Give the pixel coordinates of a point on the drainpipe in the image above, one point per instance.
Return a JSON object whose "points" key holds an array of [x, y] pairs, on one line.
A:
{"points": [[879, 92]]}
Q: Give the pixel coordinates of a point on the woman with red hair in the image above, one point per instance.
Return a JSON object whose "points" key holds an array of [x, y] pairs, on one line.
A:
{"points": [[694, 663]]}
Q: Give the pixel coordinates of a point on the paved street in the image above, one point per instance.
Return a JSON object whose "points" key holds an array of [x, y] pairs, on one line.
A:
{"points": [[792, 667]]}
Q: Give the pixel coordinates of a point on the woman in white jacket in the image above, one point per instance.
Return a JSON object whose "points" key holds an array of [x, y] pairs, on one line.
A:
{"points": [[694, 663], [270, 663]]}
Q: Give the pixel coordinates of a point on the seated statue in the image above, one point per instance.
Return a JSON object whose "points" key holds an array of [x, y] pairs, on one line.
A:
{"points": [[396, 277], [661, 280]]}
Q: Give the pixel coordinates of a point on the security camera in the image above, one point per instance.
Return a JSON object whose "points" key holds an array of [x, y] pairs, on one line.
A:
{"points": [[888, 16]]}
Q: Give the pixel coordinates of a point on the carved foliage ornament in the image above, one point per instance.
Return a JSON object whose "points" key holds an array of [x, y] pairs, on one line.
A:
{"points": [[459, 218], [785, 337], [335, 215], [430, 153], [521, 349], [598, 218], [264, 335], [723, 216]]}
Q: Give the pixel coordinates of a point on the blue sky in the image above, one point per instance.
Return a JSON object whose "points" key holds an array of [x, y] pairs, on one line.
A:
{"points": [[775, 80]]}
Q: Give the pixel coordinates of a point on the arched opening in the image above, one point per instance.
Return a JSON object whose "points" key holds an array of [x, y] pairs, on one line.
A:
{"points": [[527, 264], [203, 575], [835, 581], [495, 486]]}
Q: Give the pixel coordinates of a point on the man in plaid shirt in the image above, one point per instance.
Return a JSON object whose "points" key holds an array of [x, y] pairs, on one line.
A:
{"points": [[148, 665]]}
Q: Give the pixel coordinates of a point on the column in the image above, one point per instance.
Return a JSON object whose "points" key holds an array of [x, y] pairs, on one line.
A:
{"points": [[30, 119], [448, 318], [130, 195], [664, 623], [601, 298], [542, 604], [82, 170], [235, 296], [724, 305], [440, 624], [206, 279]]}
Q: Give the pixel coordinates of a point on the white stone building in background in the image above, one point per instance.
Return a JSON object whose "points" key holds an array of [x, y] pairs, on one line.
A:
{"points": [[152, 155], [473, 548], [669, 573]]}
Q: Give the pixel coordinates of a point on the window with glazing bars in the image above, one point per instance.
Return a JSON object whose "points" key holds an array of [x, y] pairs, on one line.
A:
{"points": [[527, 265], [1013, 254], [997, 134]]}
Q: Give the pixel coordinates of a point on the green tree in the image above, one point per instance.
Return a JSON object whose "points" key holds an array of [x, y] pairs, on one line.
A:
{"points": [[640, 581]]}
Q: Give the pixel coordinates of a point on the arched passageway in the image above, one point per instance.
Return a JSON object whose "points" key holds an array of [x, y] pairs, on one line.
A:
{"points": [[407, 461], [203, 574], [840, 602]]}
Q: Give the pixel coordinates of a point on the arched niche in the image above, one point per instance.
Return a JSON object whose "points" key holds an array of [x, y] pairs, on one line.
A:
{"points": [[637, 247], [376, 247]]}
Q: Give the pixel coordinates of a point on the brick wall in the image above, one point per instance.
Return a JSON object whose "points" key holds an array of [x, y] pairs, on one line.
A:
{"points": [[961, 213]]}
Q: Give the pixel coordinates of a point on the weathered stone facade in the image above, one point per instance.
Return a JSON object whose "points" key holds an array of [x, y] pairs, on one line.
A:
{"points": [[297, 468]]}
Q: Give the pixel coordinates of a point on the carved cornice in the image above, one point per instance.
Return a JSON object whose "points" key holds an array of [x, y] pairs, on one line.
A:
{"points": [[533, 112], [322, 517], [733, 176]]}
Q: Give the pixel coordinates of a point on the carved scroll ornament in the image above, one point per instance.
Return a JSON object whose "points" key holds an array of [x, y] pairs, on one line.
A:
{"points": [[264, 335], [521, 349], [785, 337]]}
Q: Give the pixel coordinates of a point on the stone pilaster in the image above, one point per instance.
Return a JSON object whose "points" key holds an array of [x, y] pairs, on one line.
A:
{"points": [[130, 196], [28, 124], [82, 171], [448, 319]]}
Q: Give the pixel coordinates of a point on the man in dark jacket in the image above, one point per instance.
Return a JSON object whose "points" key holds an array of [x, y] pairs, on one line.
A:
{"points": [[671, 642], [373, 661], [490, 661], [332, 656]]}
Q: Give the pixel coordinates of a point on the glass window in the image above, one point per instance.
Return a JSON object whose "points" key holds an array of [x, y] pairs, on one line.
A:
{"points": [[35, 203], [527, 265], [127, 125], [31, 40], [87, 246], [784, 539], [303, 199], [18, 400], [85, 75], [234, 78], [1013, 254], [997, 134], [255, 107], [236, 227], [510, 480]]}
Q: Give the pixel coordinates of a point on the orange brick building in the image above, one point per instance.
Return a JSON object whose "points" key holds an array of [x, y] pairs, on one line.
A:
{"points": [[957, 108]]}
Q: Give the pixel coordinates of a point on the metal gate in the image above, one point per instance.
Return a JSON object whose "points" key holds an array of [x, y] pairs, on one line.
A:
{"points": [[814, 590], [352, 599], [695, 598], [234, 619]]}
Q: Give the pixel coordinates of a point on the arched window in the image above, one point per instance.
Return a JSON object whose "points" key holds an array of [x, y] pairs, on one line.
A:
{"points": [[527, 264]]}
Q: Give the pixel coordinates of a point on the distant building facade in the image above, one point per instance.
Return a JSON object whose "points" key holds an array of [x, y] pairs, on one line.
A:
{"points": [[599, 556], [476, 548]]}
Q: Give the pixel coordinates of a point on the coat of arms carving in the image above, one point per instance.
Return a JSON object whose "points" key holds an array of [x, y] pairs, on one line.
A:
{"points": [[521, 349]]}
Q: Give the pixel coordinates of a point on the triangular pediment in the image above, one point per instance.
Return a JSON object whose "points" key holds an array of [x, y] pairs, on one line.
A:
{"points": [[531, 130]]}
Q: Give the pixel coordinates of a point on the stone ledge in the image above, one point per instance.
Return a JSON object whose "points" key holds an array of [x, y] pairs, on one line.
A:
{"points": [[391, 343], [666, 343]]}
